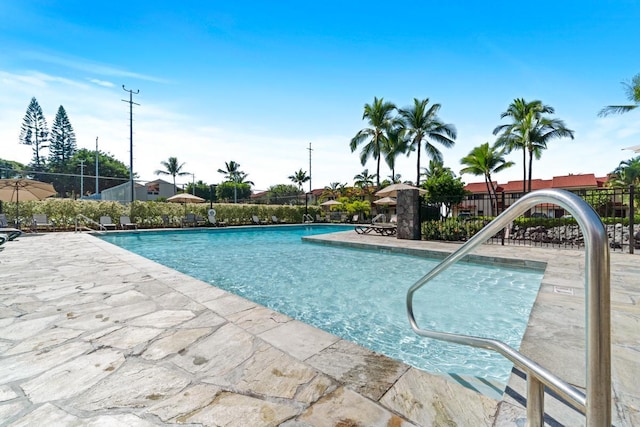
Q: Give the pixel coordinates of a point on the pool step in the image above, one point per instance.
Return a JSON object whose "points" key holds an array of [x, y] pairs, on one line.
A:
{"points": [[490, 388]]}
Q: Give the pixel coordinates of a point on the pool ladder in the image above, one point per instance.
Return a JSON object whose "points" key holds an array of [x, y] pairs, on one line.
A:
{"points": [[595, 404]]}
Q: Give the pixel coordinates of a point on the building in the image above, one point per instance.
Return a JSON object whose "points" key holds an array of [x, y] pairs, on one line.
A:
{"points": [[147, 192], [477, 201]]}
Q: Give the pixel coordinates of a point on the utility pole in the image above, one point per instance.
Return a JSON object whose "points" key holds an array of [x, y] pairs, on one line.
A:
{"points": [[310, 150], [131, 103], [193, 184], [81, 178], [97, 188]]}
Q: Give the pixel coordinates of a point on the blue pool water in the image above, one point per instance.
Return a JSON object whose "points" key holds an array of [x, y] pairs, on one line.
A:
{"points": [[358, 295]]}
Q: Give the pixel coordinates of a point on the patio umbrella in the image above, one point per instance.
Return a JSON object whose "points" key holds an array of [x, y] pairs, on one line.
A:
{"points": [[330, 203], [392, 190], [185, 198], [22, 189], [390, 201]]}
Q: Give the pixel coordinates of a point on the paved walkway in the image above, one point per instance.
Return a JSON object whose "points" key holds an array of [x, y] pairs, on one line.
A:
{"points": [[91, 334]]}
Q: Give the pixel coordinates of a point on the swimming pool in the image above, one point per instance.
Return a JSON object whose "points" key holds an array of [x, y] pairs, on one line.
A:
{"points": [[358, 295]]}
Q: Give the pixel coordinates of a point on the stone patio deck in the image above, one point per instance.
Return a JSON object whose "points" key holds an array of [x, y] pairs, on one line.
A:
{"points": [[91, 334]]}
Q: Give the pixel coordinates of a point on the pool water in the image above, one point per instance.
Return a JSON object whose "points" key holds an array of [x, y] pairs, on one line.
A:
{"points": [[358, 295]]}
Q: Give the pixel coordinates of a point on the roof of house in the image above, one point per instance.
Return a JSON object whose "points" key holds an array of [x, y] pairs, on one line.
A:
{"points": [[588, 180]]}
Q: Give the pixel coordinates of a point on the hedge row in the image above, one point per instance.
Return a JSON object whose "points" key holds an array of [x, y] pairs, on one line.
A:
{"points": [[64, 212]]}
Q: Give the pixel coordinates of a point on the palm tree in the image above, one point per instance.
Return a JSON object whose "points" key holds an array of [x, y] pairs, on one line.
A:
{"points": [[299, 178], [397, 143], [485, 160], [233, 174], [364, 180], [173, 168], [435, 169], [333, 190], [421, 122], [627, 173], [529, 131], [379, 117], [632, 91]]}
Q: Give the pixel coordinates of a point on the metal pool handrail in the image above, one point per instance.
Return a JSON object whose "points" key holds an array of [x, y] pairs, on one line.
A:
{"points": [[596, 403]]}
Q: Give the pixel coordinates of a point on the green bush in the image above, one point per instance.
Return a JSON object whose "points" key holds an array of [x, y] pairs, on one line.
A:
{"points": [[451, 229], [64, 212]]}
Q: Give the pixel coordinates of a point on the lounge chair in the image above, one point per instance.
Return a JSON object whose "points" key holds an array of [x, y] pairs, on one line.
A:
{"points": [[11, 233], [125, 223], [3, 239], [40, 221], [257, 220], [192, 220], [276, 220], [381, 229], [106, 223]]}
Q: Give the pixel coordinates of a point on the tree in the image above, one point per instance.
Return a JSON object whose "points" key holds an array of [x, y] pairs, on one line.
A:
{"points": [[34, 132], [529, 131], [233, 191], [632, 91], [397, 143], [333, 190], [378, 114], [364, 180], [485, 160], [436, 168], [444, 189], [62, 143], [627, 173], [233, 174], [11, 169], [283, 194], [423, 124], [299, 178], [200, 189], [172, 167]]}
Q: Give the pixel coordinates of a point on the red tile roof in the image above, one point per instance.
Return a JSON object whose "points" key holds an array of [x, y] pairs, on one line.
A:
{"points": [[566, 182]]}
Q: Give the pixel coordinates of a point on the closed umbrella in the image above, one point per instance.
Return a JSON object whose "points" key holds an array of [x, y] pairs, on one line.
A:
{"points": [[22, 189]]}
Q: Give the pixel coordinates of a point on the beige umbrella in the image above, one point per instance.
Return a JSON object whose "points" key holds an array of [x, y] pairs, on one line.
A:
{"points": [[330, 203], [390, 201], [392, 190], [21, 189], [185, 198]]}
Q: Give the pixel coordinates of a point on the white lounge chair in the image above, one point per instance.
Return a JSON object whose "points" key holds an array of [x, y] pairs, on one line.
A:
{"points": [[106, 223], [40, 221], [125, 223]]}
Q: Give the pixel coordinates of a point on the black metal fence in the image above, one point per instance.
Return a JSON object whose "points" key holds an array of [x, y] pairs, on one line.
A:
{"points": [[546, 225]]}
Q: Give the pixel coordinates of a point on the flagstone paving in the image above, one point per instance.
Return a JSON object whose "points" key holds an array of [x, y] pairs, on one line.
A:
{"points": [[91, 334]]}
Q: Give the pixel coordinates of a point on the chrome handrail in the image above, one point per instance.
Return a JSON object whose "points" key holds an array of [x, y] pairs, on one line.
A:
{"points": [[596, 403], [87, 219], [306, 218]]}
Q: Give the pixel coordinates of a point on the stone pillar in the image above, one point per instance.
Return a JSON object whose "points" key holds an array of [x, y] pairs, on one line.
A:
{"points": [[408, 212]]}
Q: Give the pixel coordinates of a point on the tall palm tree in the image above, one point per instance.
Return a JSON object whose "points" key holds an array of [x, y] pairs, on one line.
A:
{"points": [[333, 190], [233, 174], [423, 124], [632, 91], [485, 160], [378, 114], [299, 178], [397, 143], [172, 167], [529, 131]]}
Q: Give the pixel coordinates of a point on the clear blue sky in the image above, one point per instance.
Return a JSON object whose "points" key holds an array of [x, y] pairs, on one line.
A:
{"points": [[255, 82]]}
